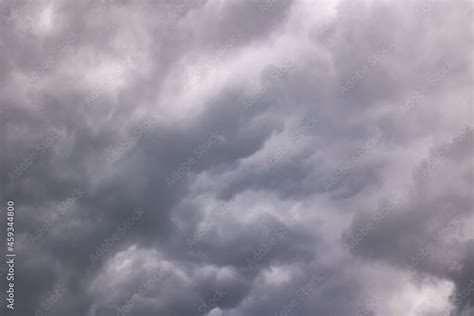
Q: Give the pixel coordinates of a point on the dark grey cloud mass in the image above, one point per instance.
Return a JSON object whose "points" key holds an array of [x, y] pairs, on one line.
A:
{"points": [[238, 158]]}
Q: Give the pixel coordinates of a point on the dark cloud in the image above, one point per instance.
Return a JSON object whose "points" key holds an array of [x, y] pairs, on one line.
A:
{"points": [[196, 115]]}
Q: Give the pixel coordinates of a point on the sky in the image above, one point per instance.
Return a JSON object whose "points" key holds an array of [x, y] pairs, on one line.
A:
{"points": [[238, 158]]}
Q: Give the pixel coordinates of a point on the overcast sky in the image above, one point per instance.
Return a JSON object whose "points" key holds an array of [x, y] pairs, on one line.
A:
{"points": [[238, 158]]}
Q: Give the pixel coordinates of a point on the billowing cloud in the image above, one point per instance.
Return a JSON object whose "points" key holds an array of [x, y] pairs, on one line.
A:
{"points": [[238, 158]]}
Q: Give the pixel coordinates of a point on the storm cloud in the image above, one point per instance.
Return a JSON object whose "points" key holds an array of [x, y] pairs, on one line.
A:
{"points": [[238, 158]]}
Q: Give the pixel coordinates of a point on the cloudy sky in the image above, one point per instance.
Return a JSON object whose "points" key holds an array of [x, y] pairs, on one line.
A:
{"points": [[238, 158]]}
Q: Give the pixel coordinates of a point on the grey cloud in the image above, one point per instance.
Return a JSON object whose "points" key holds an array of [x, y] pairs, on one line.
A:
{"points": [[255, 107]]}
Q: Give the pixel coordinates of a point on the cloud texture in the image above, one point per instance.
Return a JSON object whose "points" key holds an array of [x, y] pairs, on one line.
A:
{"points": [[239, 158]]}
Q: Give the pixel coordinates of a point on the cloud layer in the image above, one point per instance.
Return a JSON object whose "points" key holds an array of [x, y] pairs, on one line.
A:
{"points": [[239, 158]]}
